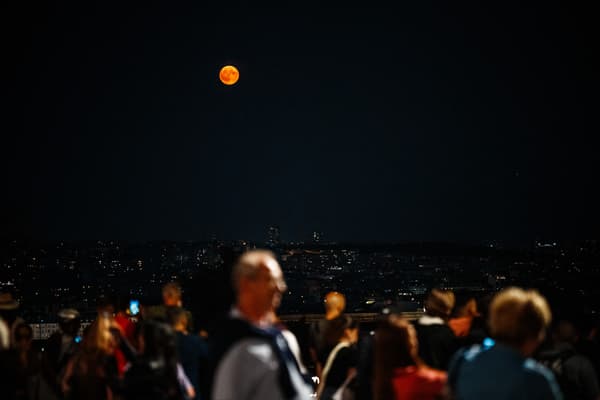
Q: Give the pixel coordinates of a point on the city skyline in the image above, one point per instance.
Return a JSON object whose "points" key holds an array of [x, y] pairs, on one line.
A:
{"points": [[46, 278]]}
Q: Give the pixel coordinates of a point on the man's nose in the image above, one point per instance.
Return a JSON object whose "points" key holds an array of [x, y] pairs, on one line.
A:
{"points": [[281, 286]]}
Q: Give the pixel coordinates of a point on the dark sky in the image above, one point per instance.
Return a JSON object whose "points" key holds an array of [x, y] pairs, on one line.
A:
{"points": [[426, 121]]}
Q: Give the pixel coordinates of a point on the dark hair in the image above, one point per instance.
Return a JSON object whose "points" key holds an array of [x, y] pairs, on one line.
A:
{"points": [[392, 350], [160, 354], [159, 340]]}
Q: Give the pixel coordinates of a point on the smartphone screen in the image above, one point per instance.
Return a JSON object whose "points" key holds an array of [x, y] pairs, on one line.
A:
{"points": [[134, 307]]}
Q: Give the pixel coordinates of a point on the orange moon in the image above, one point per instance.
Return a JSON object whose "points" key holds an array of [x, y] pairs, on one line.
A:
{"points": [[229, 75]]}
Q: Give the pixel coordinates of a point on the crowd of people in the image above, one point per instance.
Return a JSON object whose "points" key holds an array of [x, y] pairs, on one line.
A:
{"points": [[503, 346]]}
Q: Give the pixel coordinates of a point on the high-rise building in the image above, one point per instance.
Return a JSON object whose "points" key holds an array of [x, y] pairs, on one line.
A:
{"points": [[317, 236], [273, 238]]}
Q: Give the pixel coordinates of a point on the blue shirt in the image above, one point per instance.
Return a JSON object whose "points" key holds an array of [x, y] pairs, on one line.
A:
{"points": [[500, 373]]}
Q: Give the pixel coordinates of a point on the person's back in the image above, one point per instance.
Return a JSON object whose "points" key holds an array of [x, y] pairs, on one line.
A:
{"points": [[60, 348], [147, 380], [579, 370], [192, 351], [574, 373], [437, 343], [341, 362], [92, 378], [500, 373], [154, 374], [323, 336]]}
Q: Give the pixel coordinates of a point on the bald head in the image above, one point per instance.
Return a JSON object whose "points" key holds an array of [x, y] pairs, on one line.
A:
{"points": [[171, 293], [335, 304], [259, 284]]}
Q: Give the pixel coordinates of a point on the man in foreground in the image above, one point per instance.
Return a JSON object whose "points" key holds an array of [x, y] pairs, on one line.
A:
{"points": [[253, 359]]}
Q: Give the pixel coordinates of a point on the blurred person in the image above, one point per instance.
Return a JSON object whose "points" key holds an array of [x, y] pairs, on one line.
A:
{"points": [[59, 348], [292, 342], [574, 373], [340, 366], [363, 385], [4, 335], [437, 342], [192, 350], [322, 338], [126, 335], [588, 343], [171, 298], [504, 370], [92, 372], [28, 363], [479, 326], [251, 357], [155, 373], [399, 372], [105, 304], [171, 294], [8, 364], [466, 312], [9, 313]]}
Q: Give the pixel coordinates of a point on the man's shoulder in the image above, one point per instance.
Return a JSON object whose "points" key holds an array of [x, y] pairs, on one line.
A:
{"points": [[254, 351], [534, 368], [539, 378], [229, 332]]}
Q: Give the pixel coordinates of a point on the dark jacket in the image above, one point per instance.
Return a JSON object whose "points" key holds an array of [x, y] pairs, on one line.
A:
{"points": [[437, 344], [193, 355]]}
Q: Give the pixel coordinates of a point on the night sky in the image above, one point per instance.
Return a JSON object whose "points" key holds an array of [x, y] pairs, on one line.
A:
{"points": [[426, 121]]}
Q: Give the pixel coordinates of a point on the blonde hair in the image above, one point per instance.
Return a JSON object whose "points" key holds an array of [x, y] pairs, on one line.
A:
{"points": [[99, 338], [98, 343], [517, 315]]}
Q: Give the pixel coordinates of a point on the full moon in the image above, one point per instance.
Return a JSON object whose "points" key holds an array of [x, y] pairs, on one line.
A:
{"points": [[229, 75]]}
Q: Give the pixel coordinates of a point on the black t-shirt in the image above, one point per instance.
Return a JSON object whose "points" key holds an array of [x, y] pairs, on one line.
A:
{"points": [[437, 344], [345, 359], [324, 335]]}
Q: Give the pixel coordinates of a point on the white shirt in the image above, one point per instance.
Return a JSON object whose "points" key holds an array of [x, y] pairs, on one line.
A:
{"points": [[249, 370]]}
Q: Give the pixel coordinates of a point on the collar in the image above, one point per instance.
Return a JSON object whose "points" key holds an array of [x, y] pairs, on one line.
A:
{"points": [[429, 320], [262, 324]]}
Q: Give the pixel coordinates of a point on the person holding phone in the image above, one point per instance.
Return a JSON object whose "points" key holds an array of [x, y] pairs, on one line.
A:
{"points": [[126, 329]]}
